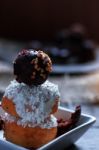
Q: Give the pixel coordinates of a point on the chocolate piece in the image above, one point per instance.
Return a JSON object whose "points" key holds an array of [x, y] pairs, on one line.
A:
{"points": [[1, 124], [32, 67], [66, 125]]}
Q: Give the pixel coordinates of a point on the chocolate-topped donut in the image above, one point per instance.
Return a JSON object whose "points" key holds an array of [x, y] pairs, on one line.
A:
{"points": [[32, 67]]}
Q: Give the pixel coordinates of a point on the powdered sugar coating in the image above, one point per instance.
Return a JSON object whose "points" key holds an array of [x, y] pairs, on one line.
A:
{"points": [[51, 122], [34, 104]]}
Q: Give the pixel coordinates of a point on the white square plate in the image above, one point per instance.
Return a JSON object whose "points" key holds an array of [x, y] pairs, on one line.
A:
{"points": [[78, 68], [62, 141]]}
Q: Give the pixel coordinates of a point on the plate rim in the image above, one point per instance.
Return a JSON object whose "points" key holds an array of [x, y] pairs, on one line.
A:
{"points": [[78, 68], [91, 120]]}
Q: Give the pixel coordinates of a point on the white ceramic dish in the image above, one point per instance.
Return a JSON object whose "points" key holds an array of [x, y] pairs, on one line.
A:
{"points": [[78, 68], [62, 141]]}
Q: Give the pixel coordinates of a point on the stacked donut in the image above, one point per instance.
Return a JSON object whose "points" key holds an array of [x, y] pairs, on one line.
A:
{"points": [[30, 101]]}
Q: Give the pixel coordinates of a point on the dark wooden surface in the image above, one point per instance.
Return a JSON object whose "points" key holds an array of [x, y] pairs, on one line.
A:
{"points": [[90, 140]]}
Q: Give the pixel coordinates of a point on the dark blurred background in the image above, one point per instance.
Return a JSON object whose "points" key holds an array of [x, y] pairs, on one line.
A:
{"points": [[30, 19]]}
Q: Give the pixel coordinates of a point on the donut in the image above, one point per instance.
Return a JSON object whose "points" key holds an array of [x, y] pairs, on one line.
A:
{"points": [[30, 101], [30, 109], [28, 137], [9, 107]]}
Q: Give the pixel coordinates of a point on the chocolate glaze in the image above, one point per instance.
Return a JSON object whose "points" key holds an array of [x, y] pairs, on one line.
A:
{"points": [[32, 67]]}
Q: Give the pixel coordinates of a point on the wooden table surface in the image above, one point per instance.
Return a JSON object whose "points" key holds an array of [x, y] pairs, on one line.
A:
{"points": [[90, 140]]}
